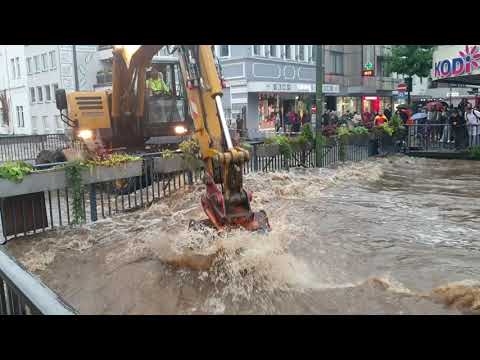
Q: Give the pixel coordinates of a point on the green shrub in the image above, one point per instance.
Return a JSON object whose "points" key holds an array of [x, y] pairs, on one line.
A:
{"points": [[308, 134], [343, 131], [15, 171], [167, 154], [359, 130], [474, 152]]}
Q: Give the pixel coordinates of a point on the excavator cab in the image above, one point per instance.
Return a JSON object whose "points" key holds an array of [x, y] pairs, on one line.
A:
{"points": [[166, 114]]}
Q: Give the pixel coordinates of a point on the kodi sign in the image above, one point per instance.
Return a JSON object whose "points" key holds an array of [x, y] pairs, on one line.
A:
{"points": [[456, 60]]}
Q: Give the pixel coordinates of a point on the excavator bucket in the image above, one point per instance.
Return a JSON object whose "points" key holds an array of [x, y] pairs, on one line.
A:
{"points": [[235, 213]]}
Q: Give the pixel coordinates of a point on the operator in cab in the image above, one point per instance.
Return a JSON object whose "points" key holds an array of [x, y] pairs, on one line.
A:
{"points": [[156, 85]]}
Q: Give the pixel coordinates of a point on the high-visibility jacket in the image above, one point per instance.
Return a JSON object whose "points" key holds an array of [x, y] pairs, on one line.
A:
{"points": [[157, 85], [380, 120]]}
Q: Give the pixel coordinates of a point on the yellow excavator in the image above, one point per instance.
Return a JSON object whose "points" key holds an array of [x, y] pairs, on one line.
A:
{"points": [[108, 121]]}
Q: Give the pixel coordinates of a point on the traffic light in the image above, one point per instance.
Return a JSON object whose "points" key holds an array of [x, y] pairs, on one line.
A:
{"points": [[409, 84]]}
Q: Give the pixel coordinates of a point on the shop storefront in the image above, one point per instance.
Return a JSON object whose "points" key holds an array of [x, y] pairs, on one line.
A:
{"points": [[270, 101], [376, 104], [277, 105], [348, 103]]}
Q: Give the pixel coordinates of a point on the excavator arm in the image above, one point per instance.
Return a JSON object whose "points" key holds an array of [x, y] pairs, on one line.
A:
{"points": [[229, 205]]}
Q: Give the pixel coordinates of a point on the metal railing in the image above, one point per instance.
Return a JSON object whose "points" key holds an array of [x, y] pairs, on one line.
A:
{"points": [[442, 137], [39, 212], [27, 147], [23, 294]]}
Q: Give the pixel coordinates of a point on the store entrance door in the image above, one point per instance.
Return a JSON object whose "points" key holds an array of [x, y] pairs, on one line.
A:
{"points": [[331, 103], [370, 104]]}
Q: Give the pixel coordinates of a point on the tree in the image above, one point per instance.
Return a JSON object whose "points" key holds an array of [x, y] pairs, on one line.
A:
{"points": [[410, 60]]}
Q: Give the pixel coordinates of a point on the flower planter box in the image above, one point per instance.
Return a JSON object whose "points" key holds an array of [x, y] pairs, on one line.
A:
{"points": [[104, 173], [358, 139], [54, 179], [36, 182], [268, 150], [175, 164], [297, 148]]}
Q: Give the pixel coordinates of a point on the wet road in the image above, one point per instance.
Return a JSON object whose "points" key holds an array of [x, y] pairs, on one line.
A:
{"points": [[385, 236]]}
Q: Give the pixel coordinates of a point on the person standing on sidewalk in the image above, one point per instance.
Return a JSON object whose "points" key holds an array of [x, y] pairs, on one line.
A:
{"points": [[380, 119], [458, 125], [472, 119], [387, 112]]}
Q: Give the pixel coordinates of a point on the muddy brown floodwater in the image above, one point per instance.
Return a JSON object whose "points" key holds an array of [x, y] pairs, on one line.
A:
{"points": [[393, 235]]}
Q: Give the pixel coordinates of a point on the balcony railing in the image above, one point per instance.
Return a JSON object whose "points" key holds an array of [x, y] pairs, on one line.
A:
{"points": [[104, 47]]}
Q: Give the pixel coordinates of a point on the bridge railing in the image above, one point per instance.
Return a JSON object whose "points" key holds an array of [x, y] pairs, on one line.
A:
{"points": [[442, 137], [27, 147], [23, 294]]}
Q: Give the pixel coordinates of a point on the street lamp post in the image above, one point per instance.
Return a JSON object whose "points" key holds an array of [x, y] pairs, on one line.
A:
{"points": [[319, 99], [75, 67]]}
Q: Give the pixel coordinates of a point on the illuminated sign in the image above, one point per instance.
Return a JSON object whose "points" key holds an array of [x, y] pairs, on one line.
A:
{"points": [[370, 97], [467, 61], [368, 73], [368, 66]]}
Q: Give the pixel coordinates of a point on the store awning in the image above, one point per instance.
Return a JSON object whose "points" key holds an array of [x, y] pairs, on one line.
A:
{"points": [[467, 80]]}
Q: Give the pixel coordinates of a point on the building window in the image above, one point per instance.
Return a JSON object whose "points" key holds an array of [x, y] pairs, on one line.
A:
{"points": [[55, 88], [20, 118], [301, 52], [224, 50], [36, 61], [40, 94], [29, 65], [12, 67], [336, 63], [58, 122], [273, 50], [34, 124], [47, 93], [32, 95], [257, 50], [44, 62], [17, 62], [53, 61], [314, 53], [45, 122], [288, 52]]}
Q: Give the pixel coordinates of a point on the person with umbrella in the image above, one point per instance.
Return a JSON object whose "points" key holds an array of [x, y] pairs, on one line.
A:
{"points": [[419, 131]]}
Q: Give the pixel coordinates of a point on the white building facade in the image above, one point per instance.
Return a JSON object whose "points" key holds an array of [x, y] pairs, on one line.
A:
{"points": [[13, 83], [42, 70]]}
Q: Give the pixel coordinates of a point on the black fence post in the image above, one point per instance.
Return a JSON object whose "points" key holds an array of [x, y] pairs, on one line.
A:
{"points": [[93, 203], [255, 158]]}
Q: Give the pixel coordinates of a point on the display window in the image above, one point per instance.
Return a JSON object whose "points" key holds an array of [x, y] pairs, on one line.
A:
{"points": [[268, 107], [347, 103]]}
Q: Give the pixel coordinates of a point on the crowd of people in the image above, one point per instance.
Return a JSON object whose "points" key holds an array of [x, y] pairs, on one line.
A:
{"points": [[449, 125], [353, 119], [442, 123]]}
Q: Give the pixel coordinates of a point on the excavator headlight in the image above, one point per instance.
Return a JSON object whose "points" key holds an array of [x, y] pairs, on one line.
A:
{"points": [[85, 134], [180, 130]]}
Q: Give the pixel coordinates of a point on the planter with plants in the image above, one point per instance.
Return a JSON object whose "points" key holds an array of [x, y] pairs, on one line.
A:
{"points": [[268, 149], [115, 167], [359, 136], [187, 159], [17, 178]]}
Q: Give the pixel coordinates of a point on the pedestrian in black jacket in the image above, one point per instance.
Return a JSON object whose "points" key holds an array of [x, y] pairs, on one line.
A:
{"points": [[459, 129]]}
